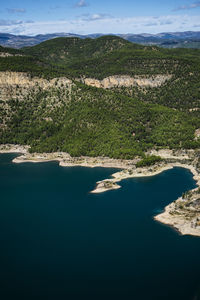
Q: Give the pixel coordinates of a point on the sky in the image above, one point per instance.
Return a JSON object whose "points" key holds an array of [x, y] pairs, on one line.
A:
{"points": [[32, 17]]}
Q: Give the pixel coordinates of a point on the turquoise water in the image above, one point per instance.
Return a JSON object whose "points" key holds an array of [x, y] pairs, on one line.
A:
{"points": [[58, 241]]}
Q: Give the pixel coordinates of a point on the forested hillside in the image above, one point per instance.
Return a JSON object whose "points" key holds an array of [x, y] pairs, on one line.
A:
{"points": [[51, 113]]}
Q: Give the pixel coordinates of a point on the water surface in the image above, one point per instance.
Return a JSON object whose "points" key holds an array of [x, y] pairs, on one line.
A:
{"points": [[58, 241]]}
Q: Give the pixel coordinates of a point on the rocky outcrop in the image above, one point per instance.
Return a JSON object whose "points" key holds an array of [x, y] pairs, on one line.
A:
{"points": [[127, 81], [15, 84], [183, 214], [5, 54], [21, 79], [197, 134], [18, 84]]}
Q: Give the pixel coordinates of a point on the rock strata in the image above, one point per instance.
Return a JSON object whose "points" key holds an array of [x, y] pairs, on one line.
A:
{"points": [[18, 84], [127, 81], [4, 54]]}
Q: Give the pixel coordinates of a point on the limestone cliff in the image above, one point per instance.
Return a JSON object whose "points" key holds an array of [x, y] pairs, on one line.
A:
{"points": [[127, 81], [18, 84], [5, 54], [21, 79]]}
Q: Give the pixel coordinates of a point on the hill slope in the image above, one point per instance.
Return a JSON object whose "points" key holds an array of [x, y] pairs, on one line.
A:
{"points": [[108, 56], [39, 106]]}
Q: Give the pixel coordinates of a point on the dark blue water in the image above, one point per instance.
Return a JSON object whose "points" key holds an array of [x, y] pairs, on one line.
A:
{"points": [[58, 241]]}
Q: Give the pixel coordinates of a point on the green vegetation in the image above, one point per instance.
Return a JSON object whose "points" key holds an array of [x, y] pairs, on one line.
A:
{"points": [[148, 161], [119, 123], [66, 50], [9, 50], [95, 122], [105, 56]]}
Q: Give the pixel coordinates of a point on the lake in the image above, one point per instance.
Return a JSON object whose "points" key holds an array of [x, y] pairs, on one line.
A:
{"points": [[58, 241]]}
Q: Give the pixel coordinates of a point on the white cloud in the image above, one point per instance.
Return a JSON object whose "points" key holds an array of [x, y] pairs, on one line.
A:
{"points": [[93, 17], [81, 3], [188, 6], [8, 23], [103, 24]]}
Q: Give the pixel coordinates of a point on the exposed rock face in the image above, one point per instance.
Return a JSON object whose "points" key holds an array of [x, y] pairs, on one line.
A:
{"points": [[13, 83], [21, 87], [197, 134], [4, 54], [127, 81], [17, 84], [19, 78], [183, 214]]}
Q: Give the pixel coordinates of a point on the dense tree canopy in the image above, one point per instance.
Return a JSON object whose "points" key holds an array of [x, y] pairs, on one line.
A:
{"points": [[119, 123]]}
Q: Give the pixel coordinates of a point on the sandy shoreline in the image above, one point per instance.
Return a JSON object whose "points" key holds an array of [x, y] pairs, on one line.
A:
{"points": [[186, 219]]}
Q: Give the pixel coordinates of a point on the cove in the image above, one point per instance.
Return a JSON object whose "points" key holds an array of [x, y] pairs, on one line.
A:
{"points": [[58, 241]]}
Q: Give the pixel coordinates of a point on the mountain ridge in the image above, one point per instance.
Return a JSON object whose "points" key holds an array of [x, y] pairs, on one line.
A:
{"points": [[166, 39]]}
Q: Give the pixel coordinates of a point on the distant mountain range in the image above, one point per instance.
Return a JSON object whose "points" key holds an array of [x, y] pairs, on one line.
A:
{"points": [[187, 39]]}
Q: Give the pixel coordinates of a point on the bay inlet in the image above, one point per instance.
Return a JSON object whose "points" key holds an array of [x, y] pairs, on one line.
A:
{"points": [[59, 241]]}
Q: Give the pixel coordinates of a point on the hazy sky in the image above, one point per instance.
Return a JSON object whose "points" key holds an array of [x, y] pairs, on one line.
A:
{"points": [[32, 17]]}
